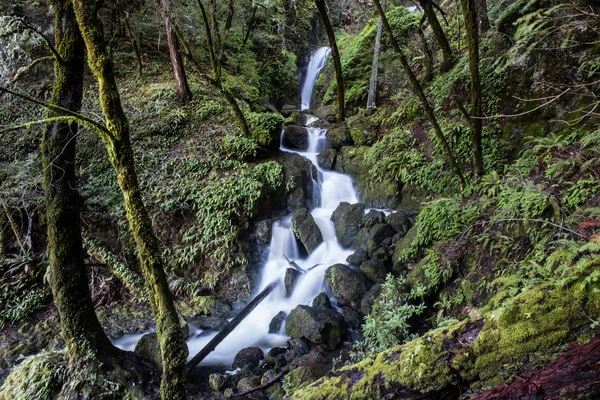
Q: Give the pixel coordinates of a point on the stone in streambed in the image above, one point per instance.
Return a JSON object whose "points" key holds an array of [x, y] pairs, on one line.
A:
{"points": [[374, 269], [217, 382], [291, 277], [148, 348], [348, 285], [295, 137], [306, 230], [347, 219], [358, 257], [277, 322], [338, 136], [322, 300], [372, 218], [248, 357], [319, 325], [400, 221], [326, 159]]}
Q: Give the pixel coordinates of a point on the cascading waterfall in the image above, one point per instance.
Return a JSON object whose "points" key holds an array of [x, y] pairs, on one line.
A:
{"points": [[333, 189], [315, 65]]}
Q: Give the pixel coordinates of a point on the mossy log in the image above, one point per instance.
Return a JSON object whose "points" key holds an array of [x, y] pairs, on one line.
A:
{"points": [[530, 330]]}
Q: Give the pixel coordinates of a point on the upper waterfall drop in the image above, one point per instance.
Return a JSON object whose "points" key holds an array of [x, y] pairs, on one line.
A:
{"points": [[315, 65]]}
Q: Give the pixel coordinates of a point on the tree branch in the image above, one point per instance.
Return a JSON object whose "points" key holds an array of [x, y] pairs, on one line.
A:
{"points": [[23, 70], [45, 38]]}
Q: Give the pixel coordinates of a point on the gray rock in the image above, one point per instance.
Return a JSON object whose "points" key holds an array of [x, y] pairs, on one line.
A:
{"points": [[291, 277], [381, 254], [217, 382], [248, 357], [358, 257], [322, 300], [210, 322], [401, 246], [372, 218], [348, 286], [338, 136], [288, 109], [361, 240], [319, 325], [148, 348], [295, 137], [347, 219], [374, 269], [249, 382], [297, 348], [380, 232], [326, 159], [361, 130], [306, 230], [263, 231], [400, 221], [277, 322], [366, 304], [300, 176], [324, 112]]}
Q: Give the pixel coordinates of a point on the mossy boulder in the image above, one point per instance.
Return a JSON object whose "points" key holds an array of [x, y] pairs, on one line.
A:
{"points": [[299, 378], [400, 221], [300, 176], [247, 383], [217, 382], [363, 133], [375, 270], [288, 109], [325, 112], [248, 357], [372, 218], [348, 285], [347, 219], [148, 348], [296, 118], [326, 159], [338, 136], [289, 281], [366, 304], [295, 137], [322, 300], [358, 257], [317, 324], [401, 246], [380, 232], [306, 230]]}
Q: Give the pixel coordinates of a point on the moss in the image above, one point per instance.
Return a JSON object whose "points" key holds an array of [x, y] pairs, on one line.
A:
{"points": [[40, 377]]}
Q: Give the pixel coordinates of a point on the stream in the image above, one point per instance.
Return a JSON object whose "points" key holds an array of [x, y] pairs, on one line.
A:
{"points": [[331, 189]]}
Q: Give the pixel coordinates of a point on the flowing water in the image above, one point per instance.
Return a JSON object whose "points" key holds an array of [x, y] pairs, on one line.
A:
{"points": [[316, 63], [332, 188]]}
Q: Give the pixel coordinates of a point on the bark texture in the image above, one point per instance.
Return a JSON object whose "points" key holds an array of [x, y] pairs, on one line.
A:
{"points": [[438, 32], [183, 89], [372, 96], [335, 54], [116, 139], [476, 123], [418, 89], [69, 281], [483, 20]]}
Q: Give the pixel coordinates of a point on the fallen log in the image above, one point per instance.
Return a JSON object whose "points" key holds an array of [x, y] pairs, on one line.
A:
{"points": [[294, 265], [231, 325]]}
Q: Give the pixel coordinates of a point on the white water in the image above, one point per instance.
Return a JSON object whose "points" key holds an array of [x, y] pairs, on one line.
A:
{"points": [[315, 65], [332, 188]]}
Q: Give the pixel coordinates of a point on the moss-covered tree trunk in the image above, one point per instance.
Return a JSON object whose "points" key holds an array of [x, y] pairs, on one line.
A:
{"points": [[68, 277], [483, 20], [183, 89], [439, 34], [117, 142], [418, 89], [470, 17], [335, 54], [372, 96]]}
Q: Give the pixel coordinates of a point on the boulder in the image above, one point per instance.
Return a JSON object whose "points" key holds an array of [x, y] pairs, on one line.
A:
{"points": [[374, 269], [347, 219], [306, 230], [296, 118], [263, 231], [277, 322], [209, 322], [366, 304], [248, 357], [295, 137], [326, 159], [372, 218], [249, 382], [288, 109], [324, 112], [338, 136], [400, 221], [300, 175], [319, 325], [291, 277], [217, 382], [348, 285], [296, 348], [358, 257], [402, 245], [148, 348], [380, 232], [322, 300], [300, 377], [361, 130], [361, 240]]}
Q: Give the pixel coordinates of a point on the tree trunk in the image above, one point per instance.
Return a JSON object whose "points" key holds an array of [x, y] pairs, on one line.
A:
{"points": [[135, 45], [183, 89], [230, 14], [416, 87], [438, 32], [428, 58], [214, 27], [335, 54], [372, 96], [69, 281], [172, 344], [470, 17], [483, 21]]}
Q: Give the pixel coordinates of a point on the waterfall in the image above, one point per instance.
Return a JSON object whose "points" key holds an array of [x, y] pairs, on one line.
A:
{"points": [[315, 65], [333, 189]]}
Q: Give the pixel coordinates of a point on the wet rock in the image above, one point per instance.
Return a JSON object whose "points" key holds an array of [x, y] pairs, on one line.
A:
{"points": [[380, 232], [279, 394], [295, 137], [348, 285], [248, 357], [291, 277], [358, 257], [318, 325], [248, 383], [297, 348], [361, 130], [148, 348], [382, 254], [374, 269], [275, 358], [213, 323], [322, 300], [263, 231], [401, 246], [300, 176], [299, 378], [217, 382], [372, 218], [400, 221], [296, 118], [326, 159], [306, 230], [324, 112], [366, 304], [347, 219], [288, 109], [277, 322], [361, 240], [338, 136]]}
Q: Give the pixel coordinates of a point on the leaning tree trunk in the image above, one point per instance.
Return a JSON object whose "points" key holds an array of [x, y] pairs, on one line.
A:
{"points": [[439, 34], [372, 96], [183, 89], [116, 139], [418, 89], [483, 21], [335, 54], [470, 17], [68, 277]]}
